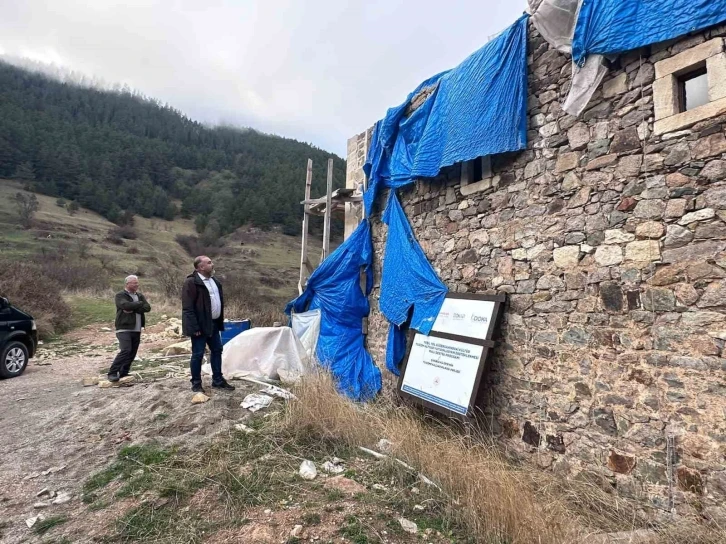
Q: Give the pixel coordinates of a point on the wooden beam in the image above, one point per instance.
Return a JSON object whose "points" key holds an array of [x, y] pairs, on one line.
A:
{"points": [[305, 267], [328, 211]]}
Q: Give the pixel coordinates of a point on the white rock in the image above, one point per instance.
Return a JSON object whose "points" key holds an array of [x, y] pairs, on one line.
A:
{"points": [[618, 236], [39, 505], [297, 531], [32, 521], [105, 329], [63, 498], [308, 470], [408, 525], [566, 257], [244, 428], [608, 255], [378, 487], [419, 508], [700, 215]]}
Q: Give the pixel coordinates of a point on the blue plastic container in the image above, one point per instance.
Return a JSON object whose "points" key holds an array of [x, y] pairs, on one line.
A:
{"points": [[233, 328]]}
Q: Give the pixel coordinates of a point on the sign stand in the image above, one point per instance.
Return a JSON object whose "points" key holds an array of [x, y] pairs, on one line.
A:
{"points": [[443, 371]]}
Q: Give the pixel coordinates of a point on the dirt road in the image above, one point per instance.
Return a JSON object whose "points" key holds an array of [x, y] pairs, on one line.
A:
{"points": [[56, 433]]}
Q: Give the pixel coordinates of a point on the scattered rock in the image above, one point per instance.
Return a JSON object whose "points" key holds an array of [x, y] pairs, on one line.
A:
{"points": [[418, 508], [126, 380], [378, 487], [30, 522], [53, 470], [181, 348], [244, 428], [333, 467], [308, 470], [408, 526], [296, 531], [105, 384], [106, 329], [63, 498], [90, 381], [200, 398], [39, 505]]}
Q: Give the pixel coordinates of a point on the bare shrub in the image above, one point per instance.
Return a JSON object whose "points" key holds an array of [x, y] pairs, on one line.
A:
{"points": [[243, 300], [196, 246], [170, 281], [127, 232], [25, 285], [27, 205]]}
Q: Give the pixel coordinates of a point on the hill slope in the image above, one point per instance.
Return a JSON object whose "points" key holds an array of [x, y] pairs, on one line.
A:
{"points": [[115, 151]]}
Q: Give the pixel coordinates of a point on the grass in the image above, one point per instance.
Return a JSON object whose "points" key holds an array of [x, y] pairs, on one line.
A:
{"points": [[496, 500], [87, 310], [43, 526]]}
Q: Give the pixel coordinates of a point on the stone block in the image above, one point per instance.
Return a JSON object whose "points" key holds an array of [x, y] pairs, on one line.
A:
{"points": [[658, 299], [643, 251], [649, 209], [716, 69], [700, 215], [677, 236], [675, 208], [608, 255], [665, 97], [710, 146], [567, 161], [617, 85], [688, 58], [714, 295], [578, 136], [566, 257], [690, 117], [625, 140], [602, 162], [650, 229], [618, 236], [714, 171]]}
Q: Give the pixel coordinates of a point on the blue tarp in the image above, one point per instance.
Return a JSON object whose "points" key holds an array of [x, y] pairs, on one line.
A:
{"points": [[608, 27], [476, 109], [334, 287], [411, 292]]}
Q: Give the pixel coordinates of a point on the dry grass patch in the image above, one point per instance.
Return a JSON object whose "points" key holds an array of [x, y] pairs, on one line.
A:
{"points": [[498, 500]]}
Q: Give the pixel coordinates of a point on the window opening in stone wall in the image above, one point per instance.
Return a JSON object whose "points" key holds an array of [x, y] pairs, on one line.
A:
{"points": [[476, 169], [693, 89]]}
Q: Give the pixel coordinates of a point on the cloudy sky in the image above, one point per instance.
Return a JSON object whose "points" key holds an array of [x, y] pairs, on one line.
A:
{"points": [[315, 70]]}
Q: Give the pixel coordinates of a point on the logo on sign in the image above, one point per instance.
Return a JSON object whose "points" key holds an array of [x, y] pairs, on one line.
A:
{"points": [[459, 317], [480, 319]]}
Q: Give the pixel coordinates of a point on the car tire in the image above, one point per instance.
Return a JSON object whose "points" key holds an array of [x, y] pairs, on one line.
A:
{"points": [[13, 359]]}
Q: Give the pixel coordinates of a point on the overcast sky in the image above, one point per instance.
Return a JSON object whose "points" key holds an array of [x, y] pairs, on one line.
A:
{"points": [[315, 70]]}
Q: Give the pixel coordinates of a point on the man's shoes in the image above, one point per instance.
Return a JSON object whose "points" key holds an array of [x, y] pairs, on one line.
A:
{"points": [[224, 386], [197, 388], [113, 378]]}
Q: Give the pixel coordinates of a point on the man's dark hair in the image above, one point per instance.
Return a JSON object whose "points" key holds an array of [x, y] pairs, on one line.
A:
{"points": [[197, 261]]}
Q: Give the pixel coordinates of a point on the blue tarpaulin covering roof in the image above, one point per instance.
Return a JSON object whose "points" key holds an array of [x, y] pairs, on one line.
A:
{"points": [[477, 109], [335, 288], [411, 292], [608, 27]]}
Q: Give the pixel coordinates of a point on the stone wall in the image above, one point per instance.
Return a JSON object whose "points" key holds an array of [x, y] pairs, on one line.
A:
{"points": [[610, 242]]}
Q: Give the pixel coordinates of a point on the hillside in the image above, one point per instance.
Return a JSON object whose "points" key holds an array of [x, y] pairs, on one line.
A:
{"points": [[85, 259], [117, 151]]}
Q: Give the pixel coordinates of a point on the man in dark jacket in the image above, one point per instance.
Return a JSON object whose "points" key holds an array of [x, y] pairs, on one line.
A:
{"points": [[130, 319], [203, 320]]}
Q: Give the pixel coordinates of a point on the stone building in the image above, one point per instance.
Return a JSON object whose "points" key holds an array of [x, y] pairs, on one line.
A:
{"points": [[608, 234]]}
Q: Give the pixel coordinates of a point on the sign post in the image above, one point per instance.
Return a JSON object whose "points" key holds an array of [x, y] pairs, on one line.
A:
{"points": [[443, 370]]}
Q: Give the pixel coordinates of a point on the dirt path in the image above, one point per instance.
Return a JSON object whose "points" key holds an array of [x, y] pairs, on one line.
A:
{"points": [[55, 432]]}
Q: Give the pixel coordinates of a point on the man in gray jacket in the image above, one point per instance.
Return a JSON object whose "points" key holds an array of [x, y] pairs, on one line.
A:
{"points": [[130, 319]]}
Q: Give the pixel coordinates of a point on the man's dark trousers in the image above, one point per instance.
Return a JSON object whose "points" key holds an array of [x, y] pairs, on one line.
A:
{"points": [[129, 345], [215, 348]]}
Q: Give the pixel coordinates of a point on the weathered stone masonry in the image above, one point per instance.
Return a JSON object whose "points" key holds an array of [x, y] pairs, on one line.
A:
{"points": [[611, 244]]}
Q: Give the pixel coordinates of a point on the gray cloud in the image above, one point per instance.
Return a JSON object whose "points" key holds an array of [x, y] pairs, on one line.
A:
{"points": [[318, 71]]}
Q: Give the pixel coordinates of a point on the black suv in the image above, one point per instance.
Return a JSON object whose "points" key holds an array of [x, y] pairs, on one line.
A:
{"points": [[18, 340]]}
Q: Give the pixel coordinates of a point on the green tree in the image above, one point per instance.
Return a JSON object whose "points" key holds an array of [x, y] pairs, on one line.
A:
{"points": [[73, 207], [24, 172]]}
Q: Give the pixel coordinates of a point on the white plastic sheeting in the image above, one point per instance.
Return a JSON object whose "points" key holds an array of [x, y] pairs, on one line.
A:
{"points": [[306, 326], [556, 21], [265, 352]]}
